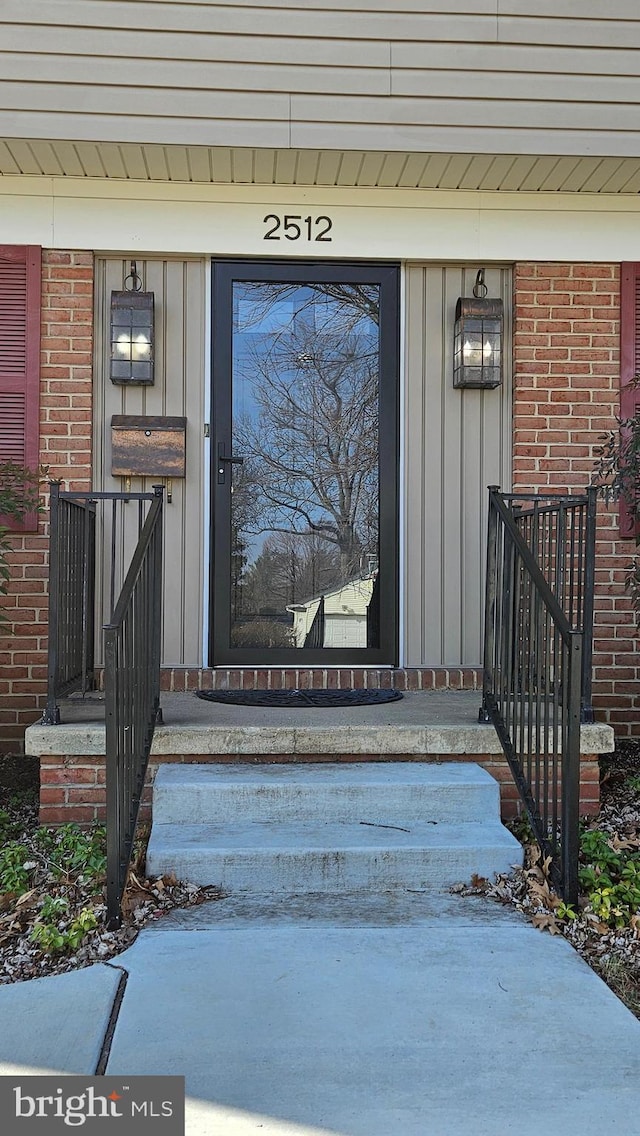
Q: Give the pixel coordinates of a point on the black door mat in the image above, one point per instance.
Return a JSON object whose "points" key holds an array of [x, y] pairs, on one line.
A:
{"points": [[300, 698]]}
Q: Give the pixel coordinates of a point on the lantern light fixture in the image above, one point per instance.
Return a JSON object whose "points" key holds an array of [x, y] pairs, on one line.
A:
{"points": [[477, 343], [132, 327]]}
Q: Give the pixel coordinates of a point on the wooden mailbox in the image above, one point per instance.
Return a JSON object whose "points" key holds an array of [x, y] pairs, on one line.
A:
{"points": [[148, 446]]}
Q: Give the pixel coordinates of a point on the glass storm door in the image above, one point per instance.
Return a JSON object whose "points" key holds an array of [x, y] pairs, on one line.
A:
{"points": [[304, 464]]}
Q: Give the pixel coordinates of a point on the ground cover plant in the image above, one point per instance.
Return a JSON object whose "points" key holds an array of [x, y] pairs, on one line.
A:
{"points": [[52, 887]]}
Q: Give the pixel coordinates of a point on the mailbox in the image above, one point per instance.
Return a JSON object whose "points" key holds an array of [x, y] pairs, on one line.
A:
{"points": [[148, 446]]}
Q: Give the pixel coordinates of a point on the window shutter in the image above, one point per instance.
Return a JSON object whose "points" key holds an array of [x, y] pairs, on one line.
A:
{"points": [[20, 272], [629, 364]]}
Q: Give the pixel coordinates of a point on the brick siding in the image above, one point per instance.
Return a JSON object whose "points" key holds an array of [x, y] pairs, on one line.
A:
{"points": [[317, 678], [72, 788], [65, 448], [567, 393]]}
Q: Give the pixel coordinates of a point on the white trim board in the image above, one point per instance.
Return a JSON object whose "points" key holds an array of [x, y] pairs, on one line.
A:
{"points": [[143, 218]]}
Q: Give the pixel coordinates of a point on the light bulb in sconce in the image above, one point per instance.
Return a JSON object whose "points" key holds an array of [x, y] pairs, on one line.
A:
{"points": [[140, 347], [133, 347], [123, 346], [472, 354]]}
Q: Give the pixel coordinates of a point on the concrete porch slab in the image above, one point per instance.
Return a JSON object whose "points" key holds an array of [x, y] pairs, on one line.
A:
{"points": [[421, 723]]}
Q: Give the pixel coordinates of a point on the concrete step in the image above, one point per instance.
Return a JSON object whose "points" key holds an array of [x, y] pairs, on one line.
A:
{"points": [[300, 857], [328, 827], [378, 792]]}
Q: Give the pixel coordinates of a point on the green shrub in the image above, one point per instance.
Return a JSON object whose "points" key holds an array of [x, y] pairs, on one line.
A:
{"points": [[71, 851], [610, 877], [15, 868], [52, 936]]}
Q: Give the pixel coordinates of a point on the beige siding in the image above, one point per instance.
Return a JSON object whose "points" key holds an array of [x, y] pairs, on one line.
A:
{"points": [[456, 444], [179, 287], [484, 76]]}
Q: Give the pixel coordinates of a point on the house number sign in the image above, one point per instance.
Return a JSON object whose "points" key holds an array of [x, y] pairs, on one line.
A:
{"points": [[294, 227]]}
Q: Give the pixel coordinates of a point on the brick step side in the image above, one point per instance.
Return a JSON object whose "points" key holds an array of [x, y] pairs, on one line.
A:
{"points": [[72, 787]]}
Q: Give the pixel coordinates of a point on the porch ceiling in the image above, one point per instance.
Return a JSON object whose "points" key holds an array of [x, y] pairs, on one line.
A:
{"points": [[242, 166]]}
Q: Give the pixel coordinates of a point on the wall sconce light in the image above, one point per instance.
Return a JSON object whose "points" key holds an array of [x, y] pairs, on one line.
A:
{"points": [[477, 344], [132, 332]]}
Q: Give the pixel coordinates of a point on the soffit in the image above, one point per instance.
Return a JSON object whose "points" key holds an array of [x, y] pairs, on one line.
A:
{"points": [[228, 166]]}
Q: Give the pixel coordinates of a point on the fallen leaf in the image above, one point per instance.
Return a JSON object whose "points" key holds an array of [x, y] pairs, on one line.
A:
{"points": [[545, 922], [618, 844], [479, 881], [29, 899]]}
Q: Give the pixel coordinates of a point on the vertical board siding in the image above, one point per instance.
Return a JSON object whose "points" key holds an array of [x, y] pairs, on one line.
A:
{"points": [[179, 288], [457, 442]]}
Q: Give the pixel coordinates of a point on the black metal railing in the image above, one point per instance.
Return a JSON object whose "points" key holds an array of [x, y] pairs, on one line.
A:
{"points": [[132, 699], [72, 547], [560, 532], [77, 522], [537, 664]]}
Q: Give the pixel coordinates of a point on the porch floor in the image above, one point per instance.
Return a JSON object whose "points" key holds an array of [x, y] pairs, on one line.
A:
{"points": [[420, 723]]}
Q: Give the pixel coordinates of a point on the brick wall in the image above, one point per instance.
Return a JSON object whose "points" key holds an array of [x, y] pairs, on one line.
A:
{"points": [[65, 448], [73, 787], [318, 678], [567, 375]]}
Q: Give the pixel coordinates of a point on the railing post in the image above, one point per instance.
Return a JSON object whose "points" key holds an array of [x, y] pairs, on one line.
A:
{"points": [[113, 788], [157, 592], [51, 716], [489, 607], [88, 595], [586, 706], [570, 836]]}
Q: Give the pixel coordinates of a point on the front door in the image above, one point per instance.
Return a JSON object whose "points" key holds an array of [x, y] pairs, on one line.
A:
{"points": [[304, 464]]}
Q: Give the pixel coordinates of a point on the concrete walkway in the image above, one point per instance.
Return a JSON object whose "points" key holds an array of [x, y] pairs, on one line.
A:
{"points": [[382, 1015]]}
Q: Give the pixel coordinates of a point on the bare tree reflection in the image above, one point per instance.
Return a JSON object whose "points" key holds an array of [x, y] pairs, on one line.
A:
{"points": [[311, 439]]}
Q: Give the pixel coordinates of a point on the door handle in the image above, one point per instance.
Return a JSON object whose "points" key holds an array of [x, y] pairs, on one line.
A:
{"points": [[223, 460]]}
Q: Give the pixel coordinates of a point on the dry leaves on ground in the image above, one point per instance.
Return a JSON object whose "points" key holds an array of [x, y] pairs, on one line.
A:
{"points": [[614, 952]]}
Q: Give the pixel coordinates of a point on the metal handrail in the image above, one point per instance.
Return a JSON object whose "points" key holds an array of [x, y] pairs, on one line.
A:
{"points": [[132, 699], [534, 678]]}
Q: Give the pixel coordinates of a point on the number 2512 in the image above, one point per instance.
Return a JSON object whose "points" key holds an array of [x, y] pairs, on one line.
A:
{"points": [[296, 228]]}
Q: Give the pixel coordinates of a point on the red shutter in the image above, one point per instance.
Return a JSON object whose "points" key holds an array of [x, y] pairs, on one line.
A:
{"points": [[629, 364], [20, 272]]}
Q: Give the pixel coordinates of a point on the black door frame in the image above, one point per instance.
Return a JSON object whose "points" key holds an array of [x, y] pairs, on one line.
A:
{"points": [[387, 276]]}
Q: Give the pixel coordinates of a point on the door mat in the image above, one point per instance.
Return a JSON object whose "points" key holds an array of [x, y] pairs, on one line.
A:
{"points": [[300, 698]]}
